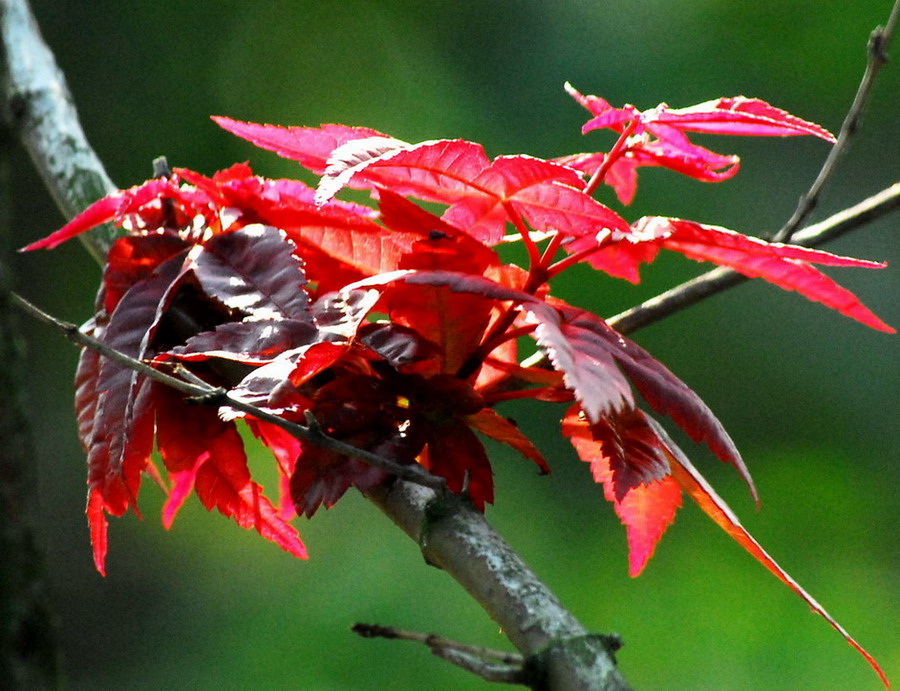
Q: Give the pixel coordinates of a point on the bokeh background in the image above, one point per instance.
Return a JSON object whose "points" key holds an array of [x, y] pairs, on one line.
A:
{"points": [[810, 397]]}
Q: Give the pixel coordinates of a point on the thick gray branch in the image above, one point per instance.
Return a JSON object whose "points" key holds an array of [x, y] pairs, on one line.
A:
{"points": [[456, 538], [39, 108]]}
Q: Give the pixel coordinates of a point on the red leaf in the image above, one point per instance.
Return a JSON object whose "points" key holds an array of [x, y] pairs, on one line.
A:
{"points": [[619, 450], [454, 452], [309, 146], [590, 355], [399, 214], [286, 449], [322, 476], [619, 254], [283, 445], [660, 388], [621, 176], [441, 171], [398, 345], [787, 266], [547, 194], [133, 258], [546, 206], [96, 515], [254, 271], [86, 376], [248, 342], [455, 322], [588, 367], [203, 453], [491, 424], [121, 432], [715, 507], [223, 481]]}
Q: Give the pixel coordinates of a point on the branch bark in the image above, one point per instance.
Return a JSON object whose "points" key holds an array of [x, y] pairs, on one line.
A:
{"points": [[39, 107]]}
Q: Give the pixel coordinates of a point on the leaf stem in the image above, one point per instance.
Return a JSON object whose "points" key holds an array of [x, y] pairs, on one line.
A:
{"points": [[534, 254], [610, 158]]}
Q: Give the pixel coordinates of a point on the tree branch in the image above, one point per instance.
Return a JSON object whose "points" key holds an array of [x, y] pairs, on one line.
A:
{"points": [[879, 40], [39, 108], [713, 282], [455, 537]]}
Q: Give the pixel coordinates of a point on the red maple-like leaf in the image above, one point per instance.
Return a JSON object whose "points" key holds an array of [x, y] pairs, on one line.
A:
{"points": [[656, 137], [397, 327], [309, 146], [627, 458]]}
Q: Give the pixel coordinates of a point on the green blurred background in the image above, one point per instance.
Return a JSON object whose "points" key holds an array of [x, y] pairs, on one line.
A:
{"points": [[810, 397]]}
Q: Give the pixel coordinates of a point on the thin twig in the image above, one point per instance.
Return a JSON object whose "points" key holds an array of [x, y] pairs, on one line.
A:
{"points": [[492, 665], [489, 671], [712, 282], [213, 395], [876, 50], [432, 640]]}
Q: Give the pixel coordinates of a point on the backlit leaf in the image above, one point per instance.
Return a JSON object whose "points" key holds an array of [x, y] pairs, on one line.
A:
{"points": [[621, 450], [309, 146], [787, 266]]}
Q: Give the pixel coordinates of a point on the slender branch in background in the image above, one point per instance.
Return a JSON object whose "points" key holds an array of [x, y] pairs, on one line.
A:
{"points": [[492, 665], [39, 108], [879, 40], [713, 282]]}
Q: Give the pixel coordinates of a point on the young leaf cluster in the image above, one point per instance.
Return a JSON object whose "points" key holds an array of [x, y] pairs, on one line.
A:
{"points": [[397, 330]]}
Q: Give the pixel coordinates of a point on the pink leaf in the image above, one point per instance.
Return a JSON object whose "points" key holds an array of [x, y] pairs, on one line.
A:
{"points": [[351, 158], [738, 115], [787, 266], [627, 457], [99, 212], [714, 506], [309, 146], [441, 171]]}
